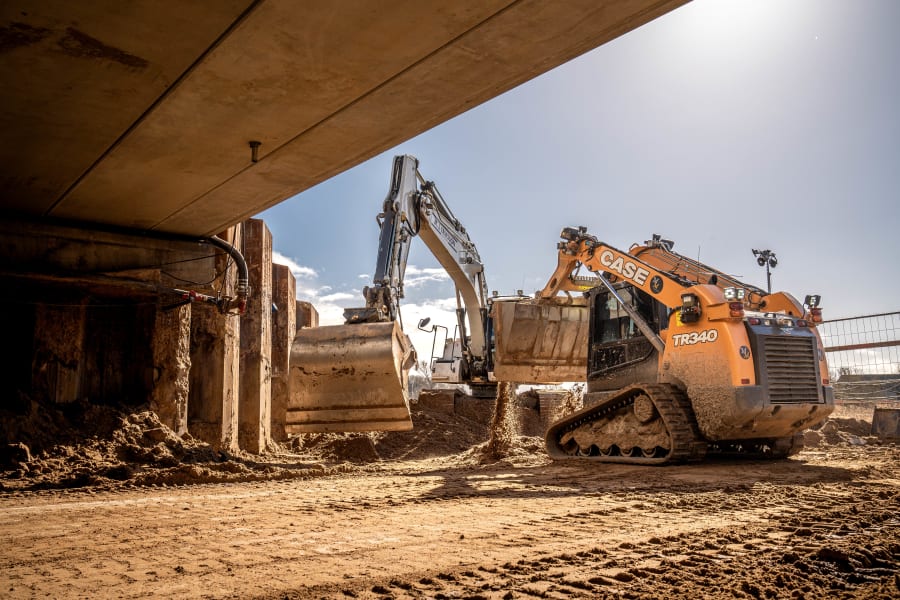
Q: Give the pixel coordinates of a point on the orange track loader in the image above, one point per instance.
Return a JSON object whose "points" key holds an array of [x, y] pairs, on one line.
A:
{"points": [[683, 359]]}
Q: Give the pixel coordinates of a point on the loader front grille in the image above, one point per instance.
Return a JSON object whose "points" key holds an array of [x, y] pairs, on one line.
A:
{"points": [[791, 369]]}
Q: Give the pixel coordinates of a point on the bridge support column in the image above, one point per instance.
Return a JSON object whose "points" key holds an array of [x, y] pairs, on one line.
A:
{"points": [[171, 354], [58, 360], [255, 411], [215, 364], [284, 295], [214, 382], [307, 315]]}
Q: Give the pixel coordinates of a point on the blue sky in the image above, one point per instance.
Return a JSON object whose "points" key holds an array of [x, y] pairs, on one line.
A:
{"points": [[725, 125]]}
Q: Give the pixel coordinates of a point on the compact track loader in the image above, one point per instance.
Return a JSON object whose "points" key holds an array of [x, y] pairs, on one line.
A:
{"points": [[682, 359]]}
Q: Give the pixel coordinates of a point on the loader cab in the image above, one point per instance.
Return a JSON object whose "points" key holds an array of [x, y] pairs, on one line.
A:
{"points": [[618, 353]]}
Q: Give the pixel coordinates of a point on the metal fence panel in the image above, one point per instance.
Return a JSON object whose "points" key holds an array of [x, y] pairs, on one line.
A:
{"points": [[864, 356]]}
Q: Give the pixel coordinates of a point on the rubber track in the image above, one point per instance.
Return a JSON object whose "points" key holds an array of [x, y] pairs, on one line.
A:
{"points": [[672, 405]]}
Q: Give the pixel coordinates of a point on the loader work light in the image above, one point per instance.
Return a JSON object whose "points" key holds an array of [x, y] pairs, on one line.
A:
{"points": [[733, 293]]}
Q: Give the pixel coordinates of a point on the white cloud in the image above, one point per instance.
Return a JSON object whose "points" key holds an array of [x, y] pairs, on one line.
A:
{"points": [[338, 296], [329, 314], [362, 276], [298, 270], [414, 270], [320, 295], [417, 277]]}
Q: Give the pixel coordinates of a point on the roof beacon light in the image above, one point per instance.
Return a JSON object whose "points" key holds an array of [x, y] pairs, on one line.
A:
{"points": [[813, 301]]}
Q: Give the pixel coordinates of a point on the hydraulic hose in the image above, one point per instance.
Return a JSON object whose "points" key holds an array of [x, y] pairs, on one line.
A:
{"points": [[243, 280]]}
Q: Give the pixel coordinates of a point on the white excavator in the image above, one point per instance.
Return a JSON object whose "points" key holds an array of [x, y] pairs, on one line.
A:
{"points": [[353, 377]]}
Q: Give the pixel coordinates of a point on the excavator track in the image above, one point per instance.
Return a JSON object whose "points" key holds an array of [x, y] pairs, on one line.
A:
{"points": [[650, 424]]}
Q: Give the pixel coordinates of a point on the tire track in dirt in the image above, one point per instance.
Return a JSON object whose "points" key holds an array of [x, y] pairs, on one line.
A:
{"points": [[844, 552], [426, 530], [760, 517]]}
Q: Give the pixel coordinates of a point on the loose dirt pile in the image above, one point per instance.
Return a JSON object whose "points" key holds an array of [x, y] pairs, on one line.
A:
{"points": [[848, 424], [85, 445], [80, 445]]}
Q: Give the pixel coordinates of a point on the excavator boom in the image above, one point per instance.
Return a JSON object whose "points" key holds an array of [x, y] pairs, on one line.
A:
{"points": [[353, 377]]}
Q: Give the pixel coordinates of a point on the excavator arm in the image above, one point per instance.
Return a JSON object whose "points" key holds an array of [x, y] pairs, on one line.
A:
{"points": [[450, 244], [415, 208], [399, 224], [353, 377]]}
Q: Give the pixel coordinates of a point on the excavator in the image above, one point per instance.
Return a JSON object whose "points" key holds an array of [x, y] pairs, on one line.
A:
{"points": [[682, 360], [353, 377]]}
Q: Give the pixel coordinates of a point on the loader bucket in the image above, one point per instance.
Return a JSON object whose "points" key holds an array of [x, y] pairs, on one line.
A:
{"points": [[350, 378], [540, 341]]}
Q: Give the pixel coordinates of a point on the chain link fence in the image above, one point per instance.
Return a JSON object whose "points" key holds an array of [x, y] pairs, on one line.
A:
{"points": [[864, 357]]}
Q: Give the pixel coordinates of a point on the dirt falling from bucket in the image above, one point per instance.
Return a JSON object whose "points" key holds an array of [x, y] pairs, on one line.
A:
{"points": [[503, 422]]}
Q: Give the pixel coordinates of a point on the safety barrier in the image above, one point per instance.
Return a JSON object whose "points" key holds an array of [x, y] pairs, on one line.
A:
{"points": [[864, 357]]}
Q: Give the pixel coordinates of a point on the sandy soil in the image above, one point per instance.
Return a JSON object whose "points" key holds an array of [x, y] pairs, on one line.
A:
{"points": [[138, 512]]}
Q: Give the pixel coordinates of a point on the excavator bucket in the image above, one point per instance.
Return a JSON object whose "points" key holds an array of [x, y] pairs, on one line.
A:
{"points": [[540, 341], [350, 378]]}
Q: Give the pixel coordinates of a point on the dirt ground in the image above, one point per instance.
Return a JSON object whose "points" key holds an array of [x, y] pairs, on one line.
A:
{"points": [[132, 510]]}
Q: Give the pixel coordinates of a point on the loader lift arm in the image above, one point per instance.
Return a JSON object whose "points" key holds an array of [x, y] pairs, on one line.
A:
{"points": [[658, 253], [657, 256], [579, 248]]}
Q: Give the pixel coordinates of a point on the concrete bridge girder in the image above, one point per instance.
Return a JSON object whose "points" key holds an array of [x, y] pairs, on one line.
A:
{"points": [[139, 114]]}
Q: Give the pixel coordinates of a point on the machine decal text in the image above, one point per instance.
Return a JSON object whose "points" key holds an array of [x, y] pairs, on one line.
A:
{"points": [[623, 267], [689, 339]]}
